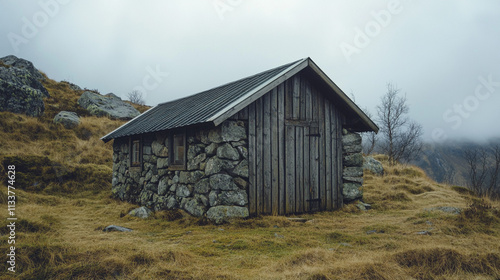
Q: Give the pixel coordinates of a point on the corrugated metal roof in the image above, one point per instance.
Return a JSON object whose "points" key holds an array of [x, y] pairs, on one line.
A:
{"points": [[194, 109], [217, 104]]}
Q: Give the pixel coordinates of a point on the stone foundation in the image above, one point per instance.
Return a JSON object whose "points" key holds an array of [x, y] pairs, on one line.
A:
{"points": [[216, 173], [352, 174]]}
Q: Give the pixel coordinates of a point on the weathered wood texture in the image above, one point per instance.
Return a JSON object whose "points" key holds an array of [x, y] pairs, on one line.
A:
{"points": [[295, 152]]}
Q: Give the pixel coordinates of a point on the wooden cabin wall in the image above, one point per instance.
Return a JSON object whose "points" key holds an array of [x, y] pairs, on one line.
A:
{"points": [[295, 152]]}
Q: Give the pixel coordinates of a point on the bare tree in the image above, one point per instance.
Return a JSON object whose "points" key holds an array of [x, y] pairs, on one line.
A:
{"points": [[484, 170], [401, 136], [135, 97], [449, 177], [369, 138], [494, 182]]}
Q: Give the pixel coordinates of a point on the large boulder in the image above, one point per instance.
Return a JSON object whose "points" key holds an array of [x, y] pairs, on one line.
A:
{"points": [[67, 119], [20, 63], [109, 106], [20, 88], [373, 165], [221, 214]]}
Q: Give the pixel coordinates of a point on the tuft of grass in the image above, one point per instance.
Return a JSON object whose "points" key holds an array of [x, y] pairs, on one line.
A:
{"points": [[414, 189], [479, 216], [381, 228], [426, 263], [338, 237], [463, 190], [398, 196], [307, 257], [141, 258], [261, 222], [169, 215], [26, 226]]}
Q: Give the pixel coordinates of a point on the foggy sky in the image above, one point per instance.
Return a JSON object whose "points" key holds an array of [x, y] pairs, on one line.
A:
{"points": [[444, 55]]}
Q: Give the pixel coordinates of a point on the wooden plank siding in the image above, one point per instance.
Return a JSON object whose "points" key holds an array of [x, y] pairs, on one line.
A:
{"points": [[252, 188], [289, 149], [321, 152], [295, 152], [266, 153], [307, 149], [314, 153], [275, 164], [281, 149], [328, 157], [259, 173]]}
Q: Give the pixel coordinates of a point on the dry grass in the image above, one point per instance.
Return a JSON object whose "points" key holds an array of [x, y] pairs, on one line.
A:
{"points": [[62, 237], [59, 234]]}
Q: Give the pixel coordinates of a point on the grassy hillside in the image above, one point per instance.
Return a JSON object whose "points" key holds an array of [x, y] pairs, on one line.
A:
{"points": [[64, 204]]}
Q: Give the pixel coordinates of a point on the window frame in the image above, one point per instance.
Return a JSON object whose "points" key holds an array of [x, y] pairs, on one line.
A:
{"points": [[132, 142], [173, 151]]}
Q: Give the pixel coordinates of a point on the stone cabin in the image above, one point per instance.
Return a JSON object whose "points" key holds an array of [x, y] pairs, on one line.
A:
{"points": [[280, 142]]}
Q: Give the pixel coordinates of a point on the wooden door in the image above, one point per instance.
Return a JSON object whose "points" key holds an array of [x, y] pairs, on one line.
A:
{"points": [[302, 166], [302, 144]]}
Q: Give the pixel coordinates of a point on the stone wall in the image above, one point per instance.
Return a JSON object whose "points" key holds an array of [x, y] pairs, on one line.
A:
{"points": [[353, 166], [214, 183]]}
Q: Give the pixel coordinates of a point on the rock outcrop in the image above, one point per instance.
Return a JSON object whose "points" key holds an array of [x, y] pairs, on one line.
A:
{"points": [[107, 106], [20, 63], [20, 88]]}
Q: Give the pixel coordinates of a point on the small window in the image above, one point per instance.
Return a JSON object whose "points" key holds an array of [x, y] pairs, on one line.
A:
{"points": [[178, 148], [135, 153]]}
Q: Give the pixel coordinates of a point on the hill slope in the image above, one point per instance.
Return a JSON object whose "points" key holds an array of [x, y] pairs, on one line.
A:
{"points": [[445, 162], [417, 229]]}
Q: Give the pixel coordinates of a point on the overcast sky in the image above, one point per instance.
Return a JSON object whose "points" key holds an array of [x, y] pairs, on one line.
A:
{"points": [[445, 55]]}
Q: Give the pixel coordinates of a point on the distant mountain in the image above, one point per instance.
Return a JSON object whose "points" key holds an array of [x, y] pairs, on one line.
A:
{"points": [[445, 162]]}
